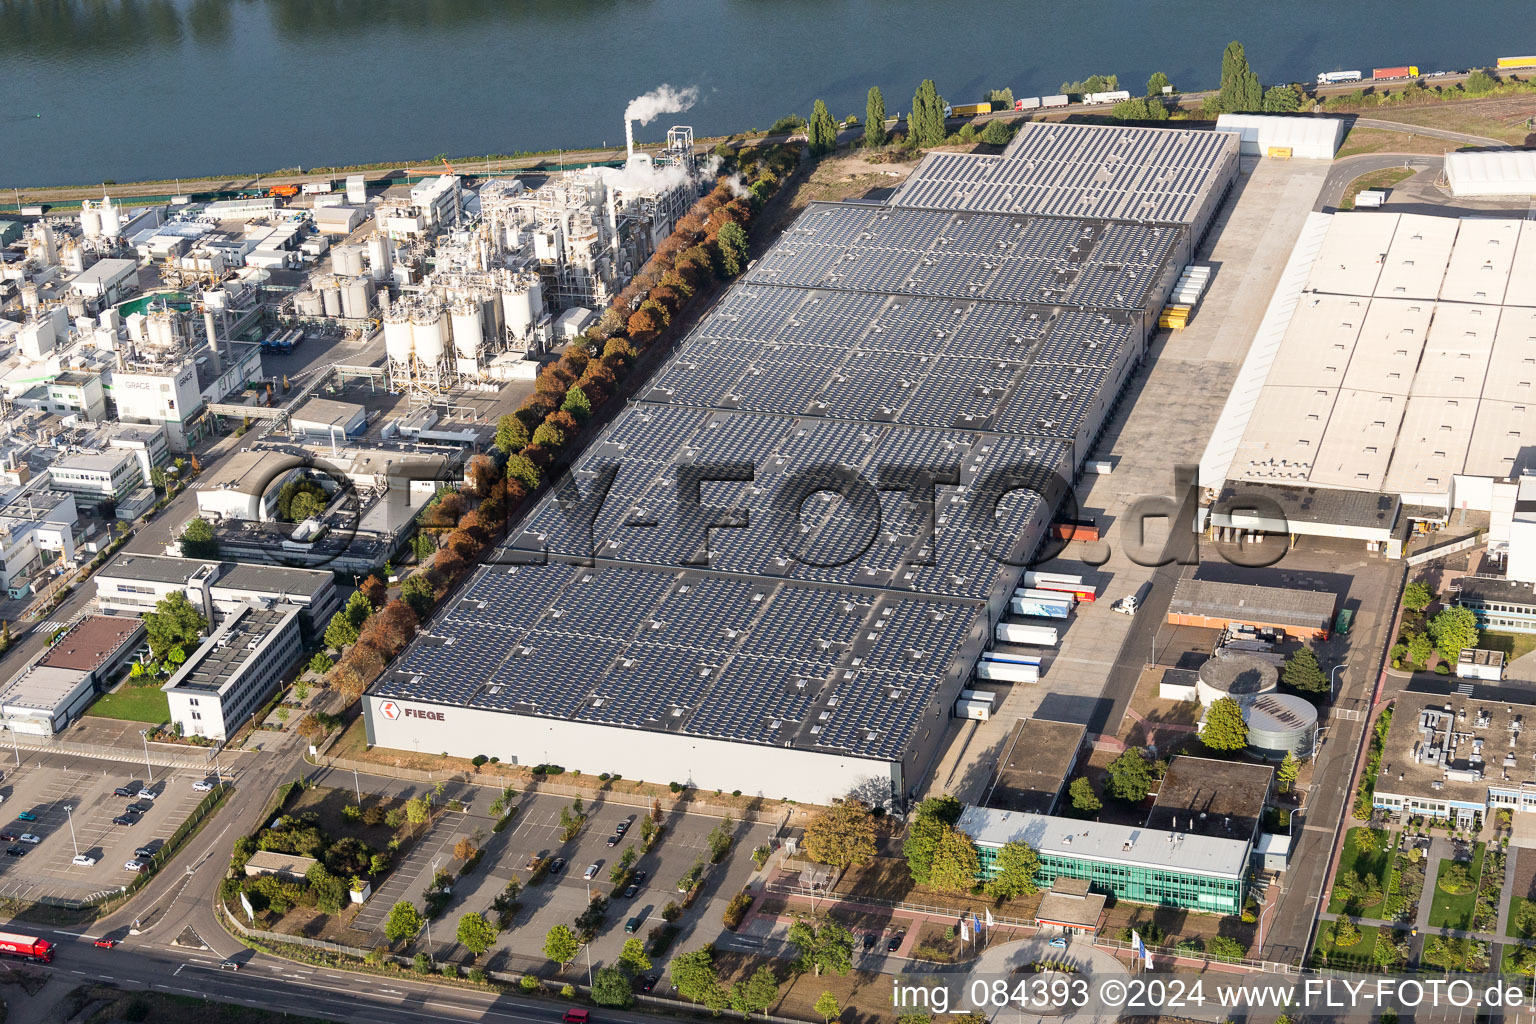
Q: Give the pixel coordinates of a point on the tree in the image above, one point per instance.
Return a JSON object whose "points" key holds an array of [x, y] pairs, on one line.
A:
{"points": [[522, 469], [561, 944], [475, 933], [511, 434], [1453, 630], [341, 631], [577, 403], [1016, 865], [404, 921], [828, 1006], [1084, 800], [1303, 674], [955, 862], [874, 119], [197, 539], [1240, 88], [757, 993], [1224, 728], [1286, 774], [306, 504], [328, 889], [930, 818], [1281, 99], [1420, 647], [1479, 83], [1417, 596], [632, 957], [822, 132], [548, 435], [842, 835], [173, 623], [828, 947], [1157, 83], [925, 125], [696, 980], [996, 133], [733, 248], [1130, 776], [611, 988], [416, 811]]}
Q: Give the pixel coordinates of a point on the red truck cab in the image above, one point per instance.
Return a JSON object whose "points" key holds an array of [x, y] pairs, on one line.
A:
{"points": [[29, 946]]}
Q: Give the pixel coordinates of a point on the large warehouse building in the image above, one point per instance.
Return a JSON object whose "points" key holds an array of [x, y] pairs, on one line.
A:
{"points": [[1391, 376], [981, 324], [1492, 173]]}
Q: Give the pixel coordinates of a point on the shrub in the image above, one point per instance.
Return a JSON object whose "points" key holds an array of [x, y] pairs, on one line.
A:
{"points": [[450, 970], [477, 976], [528, 983], [736, 910], [676, 787], [421, 964]]}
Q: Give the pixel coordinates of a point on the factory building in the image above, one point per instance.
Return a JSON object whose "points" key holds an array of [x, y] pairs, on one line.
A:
{"points": [[56, 686], [35, 525], [246, 484], [1458, 750], [1388, 383], [104, 477], [230, 675], [922, 332], [1302, 614]]}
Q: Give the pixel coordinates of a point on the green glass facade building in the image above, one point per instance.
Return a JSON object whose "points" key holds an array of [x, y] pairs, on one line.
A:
{"points": [[1171, 869]]}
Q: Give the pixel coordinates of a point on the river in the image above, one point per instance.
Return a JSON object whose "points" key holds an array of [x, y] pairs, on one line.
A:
{"points": [[140, 89]]}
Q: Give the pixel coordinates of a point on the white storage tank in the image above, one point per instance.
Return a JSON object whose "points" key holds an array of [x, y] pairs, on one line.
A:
{"points": [[468, 328], [518, 303], [330, 295], [162, 330], [379, 256], [347, 260], [308, 303], [90, 219], [429, 326], [111, 223], [398, 338], [356, 297]]}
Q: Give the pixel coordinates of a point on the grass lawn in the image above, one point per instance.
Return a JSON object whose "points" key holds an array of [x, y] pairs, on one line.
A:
{"points": [[133, 704], [1384, 178], [1455, 911], [1373, 863], [1512, 644], [1380, 140], [1516, 906], [1359, 955]]}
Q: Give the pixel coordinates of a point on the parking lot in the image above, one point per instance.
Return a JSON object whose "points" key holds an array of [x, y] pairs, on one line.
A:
{"points": [[58, 791], [535, 830]]}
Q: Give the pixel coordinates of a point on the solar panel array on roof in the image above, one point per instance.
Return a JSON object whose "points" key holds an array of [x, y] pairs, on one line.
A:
{"points": [[890, 344]]}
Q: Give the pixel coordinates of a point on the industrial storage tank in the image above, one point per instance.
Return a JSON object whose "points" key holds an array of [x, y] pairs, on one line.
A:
{"points": [[356, 297], [347, 260], [522, 303], [308, 303], [398, 340], [162, 330], [468, 328], [1280, 724], [379, 256], [111, 224], [90, 220], [429, 328], [330, 295], [1236, 676]]}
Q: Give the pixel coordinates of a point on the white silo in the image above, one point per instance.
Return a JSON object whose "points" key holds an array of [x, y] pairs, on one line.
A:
{"points": [[429, 325], [308, 303], [162, 330], [468, 328], [356, 297], [347, 260], [72, 257], [398, 339], [111, 223], [379, 256], [330, 295], [29, 297], [90, 219], [522, 302]]}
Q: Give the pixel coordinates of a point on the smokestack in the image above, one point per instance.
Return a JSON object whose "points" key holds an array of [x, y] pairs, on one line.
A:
{"points": [[629, 139]]}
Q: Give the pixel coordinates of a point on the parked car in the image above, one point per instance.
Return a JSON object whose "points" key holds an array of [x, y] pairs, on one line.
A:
{"points": [[590, 873], [145, 793], [140, 807], [144, 852], [613, 840], [125, 819], [557, 865], [83, 860], [15, 851], [26, 816], [202, 786], [895, 942], [138, 866], [131, 789], [622, 826], [29, 839], [640, 877], [631, 891], [632, 925], [1058, 943], [869, 940], [8, 837], [649, 982]]}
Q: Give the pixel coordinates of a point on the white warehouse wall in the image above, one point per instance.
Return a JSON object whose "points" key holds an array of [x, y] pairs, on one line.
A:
{"points": [[636, 754]]}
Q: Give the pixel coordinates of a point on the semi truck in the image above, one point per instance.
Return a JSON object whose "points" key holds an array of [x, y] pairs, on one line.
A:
{"points": [[970, 109], [1020, 633], [1401, 71], [1107, 97], [1036, 579], [1039, 609], [29, 946], [1059, 100], [316, 188], [1028, 103], [1008, 668], [1337, 77], [1507, 63]]}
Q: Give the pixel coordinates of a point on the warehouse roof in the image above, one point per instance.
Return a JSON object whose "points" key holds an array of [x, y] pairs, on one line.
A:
{"points": [[42, 688], [92, 642], [1040, 755], [1213, 798], [219, 660], [1303, 133], [1491, 170], [1393, 357], [1308, 609], [1300, 503], [868, 336], [1186, 852], [1451, 739]]}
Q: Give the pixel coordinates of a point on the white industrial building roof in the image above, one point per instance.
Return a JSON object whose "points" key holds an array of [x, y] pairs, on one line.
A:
{"points": [[1307, 137], [1492, 172], [1388, 359], [1188, 852]]}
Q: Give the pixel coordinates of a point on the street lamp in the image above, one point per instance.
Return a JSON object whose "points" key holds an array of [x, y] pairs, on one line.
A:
{"points": [[358, 787], [1262, 913], [149, 769], [1333, 691], [71, 812]]}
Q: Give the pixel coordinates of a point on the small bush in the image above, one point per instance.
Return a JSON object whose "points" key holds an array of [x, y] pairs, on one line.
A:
{"points": [[567, 992], [450, 970], [671, 912], [421, 964], [735, 792], [136, 1010], [736, 910], [528, 983], [352, 813], [676, 787], [479, 759], [477, 976]]}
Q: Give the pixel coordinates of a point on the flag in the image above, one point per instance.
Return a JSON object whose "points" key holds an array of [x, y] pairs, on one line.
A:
{"points": [[989, 919], [965, 933], [975, 923], [1140, 948]]}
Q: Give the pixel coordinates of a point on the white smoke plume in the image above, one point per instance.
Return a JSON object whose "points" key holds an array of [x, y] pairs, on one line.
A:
{"points": [[661, 100]]}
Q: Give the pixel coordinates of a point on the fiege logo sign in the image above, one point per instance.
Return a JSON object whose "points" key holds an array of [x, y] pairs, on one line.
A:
{"points": [[392, 711]]}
